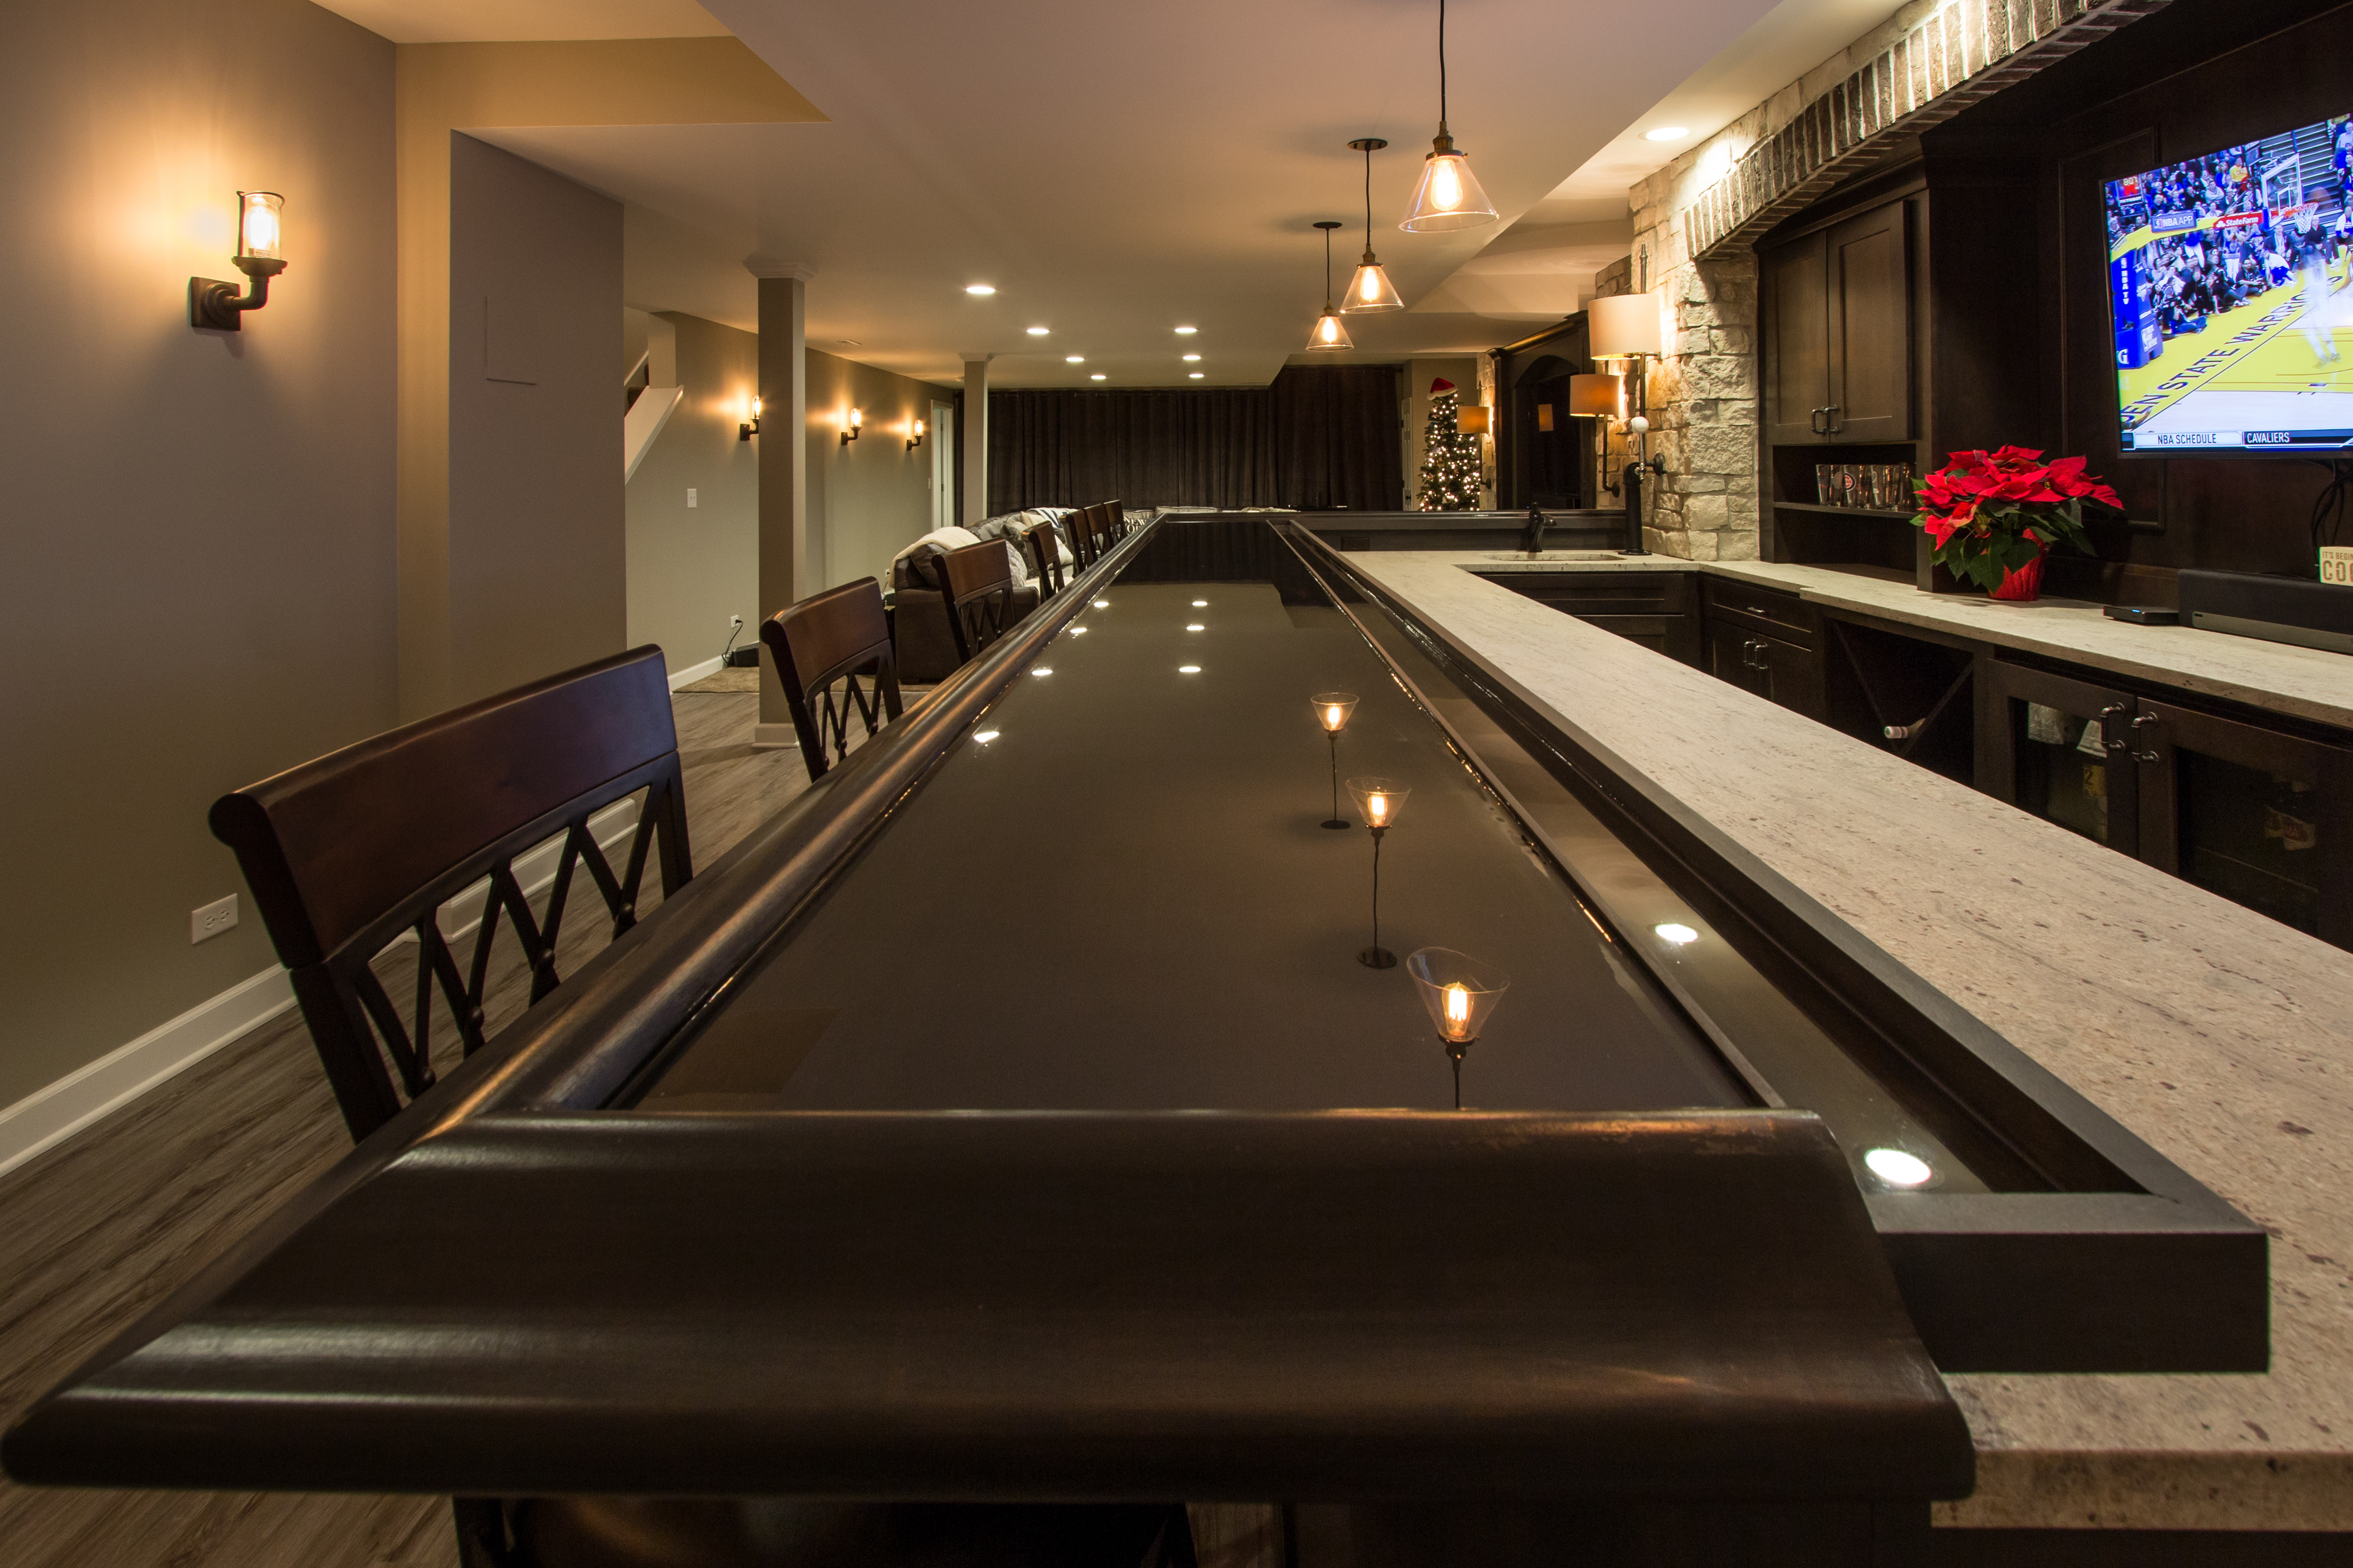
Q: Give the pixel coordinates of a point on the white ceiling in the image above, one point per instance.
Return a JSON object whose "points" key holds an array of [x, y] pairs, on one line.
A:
{"points": [[510, 21], [1116, 172]]}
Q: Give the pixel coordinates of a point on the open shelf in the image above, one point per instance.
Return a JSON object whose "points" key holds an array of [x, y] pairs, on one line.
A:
{"points": [[1841, 510]]}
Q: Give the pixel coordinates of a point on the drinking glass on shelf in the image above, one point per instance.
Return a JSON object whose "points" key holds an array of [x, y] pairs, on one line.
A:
{"points": [[1849, 482], [1826, 483]]}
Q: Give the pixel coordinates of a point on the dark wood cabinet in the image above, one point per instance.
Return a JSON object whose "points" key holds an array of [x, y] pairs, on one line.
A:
{"points": [[1764, 642], [1657, 609], [2259, 815], [1838, 354]]}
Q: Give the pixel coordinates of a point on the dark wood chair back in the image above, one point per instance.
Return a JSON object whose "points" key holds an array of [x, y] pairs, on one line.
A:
{"points": [[979, 596], [1086, 541], [830, 638], [1114, 520], [345, 853], [1046, 555]]}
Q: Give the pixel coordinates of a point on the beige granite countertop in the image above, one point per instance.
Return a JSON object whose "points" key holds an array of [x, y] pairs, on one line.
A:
{"points": [[2221, 1038], [2309, 683]]}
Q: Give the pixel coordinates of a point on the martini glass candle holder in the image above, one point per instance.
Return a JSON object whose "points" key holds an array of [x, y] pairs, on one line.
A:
{"points": [[1331, 710], [1380, 800], [1461, 993]]}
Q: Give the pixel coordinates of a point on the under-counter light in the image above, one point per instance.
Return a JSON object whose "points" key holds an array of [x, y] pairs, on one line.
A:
{"points": [[1898, 1169], [1675, 934], [980, 289], [1667, 134]]}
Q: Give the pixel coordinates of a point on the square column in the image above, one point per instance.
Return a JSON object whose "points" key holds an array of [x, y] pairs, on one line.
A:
{"points": [[974, 434], [784, 463]]}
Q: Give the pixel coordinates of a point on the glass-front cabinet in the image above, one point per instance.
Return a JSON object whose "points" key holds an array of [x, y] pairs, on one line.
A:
{"points": [[2262, 817]]}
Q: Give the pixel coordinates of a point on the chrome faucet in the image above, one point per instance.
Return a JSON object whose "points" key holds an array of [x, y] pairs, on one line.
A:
{"points": [[1533, 540]]}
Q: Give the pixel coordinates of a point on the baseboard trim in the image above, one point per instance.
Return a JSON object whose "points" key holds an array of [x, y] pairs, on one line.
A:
{"points": [[694, 673], [49, 1116], [768, 735]]}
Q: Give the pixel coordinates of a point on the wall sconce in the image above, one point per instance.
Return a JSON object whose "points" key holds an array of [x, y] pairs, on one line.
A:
{"points": [[1471, 421], [1596, 397], [222, 306], [915, 434], [857, 423], [750, 427]]}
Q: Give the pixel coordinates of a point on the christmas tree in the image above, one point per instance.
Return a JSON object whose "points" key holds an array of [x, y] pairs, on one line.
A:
{"points": [[1449, 460]]}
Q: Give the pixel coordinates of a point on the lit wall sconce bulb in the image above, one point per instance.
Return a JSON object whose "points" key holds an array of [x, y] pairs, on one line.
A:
{"points": [[222, 306], [857, 424], [915, 436], [751, 426]]}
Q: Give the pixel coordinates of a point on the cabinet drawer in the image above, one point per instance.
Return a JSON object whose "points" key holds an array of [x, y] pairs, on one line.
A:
{"points": [[1767, 610]]}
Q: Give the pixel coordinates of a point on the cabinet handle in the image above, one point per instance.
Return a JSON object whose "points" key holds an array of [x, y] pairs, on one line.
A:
{"points": [[1752, 654], [1814, 421], [2112, 732], [2139, 755], [1835, 423]]}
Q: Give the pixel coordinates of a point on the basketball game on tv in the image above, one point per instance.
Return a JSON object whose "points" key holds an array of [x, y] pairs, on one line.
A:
{"points": [[2228, 283]]}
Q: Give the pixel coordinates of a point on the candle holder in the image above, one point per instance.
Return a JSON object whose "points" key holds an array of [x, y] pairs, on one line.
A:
{"points": [[1331, 710], [1380, 800], [1461, 993]]}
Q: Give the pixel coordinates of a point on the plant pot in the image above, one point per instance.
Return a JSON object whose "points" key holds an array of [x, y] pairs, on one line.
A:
{"points": [[2023, 585]]}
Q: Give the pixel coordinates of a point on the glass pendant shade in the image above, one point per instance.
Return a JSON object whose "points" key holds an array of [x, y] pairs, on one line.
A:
{"points": [[1460, 992], [1449, 196], [1329, 332], [1370, 288], [1332, 708], [1381, 801], [1622, 326], [1596, 396]]}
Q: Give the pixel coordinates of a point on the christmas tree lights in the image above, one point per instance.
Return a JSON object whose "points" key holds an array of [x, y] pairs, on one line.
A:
{"points": [[1450, 470]]}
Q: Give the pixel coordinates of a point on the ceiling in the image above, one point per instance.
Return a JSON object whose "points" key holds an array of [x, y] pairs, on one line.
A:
{"points": [[1116, 172]]}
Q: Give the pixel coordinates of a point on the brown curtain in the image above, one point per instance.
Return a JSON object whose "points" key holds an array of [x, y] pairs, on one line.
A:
{"points": [[1320, 436]]}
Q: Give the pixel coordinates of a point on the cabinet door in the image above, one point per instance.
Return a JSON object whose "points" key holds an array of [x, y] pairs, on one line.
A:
{"points": [[1793, 676], [2054, 747], [1732, 656], [2258, 816], [1797, 350], [1869, 337]]}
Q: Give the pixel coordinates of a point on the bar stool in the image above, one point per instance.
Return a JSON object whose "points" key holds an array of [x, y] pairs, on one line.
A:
{"points": [[835, 636], [1045, 555], [979, 580]]}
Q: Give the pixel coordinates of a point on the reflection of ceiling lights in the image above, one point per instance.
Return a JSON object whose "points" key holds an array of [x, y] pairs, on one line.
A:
{"points": [[1676, 933], [1449, 196], [1098, 376], [980, 288], [1074, 359], [1036, 332], [1188, 669], [1195, 376], [1667, 134], [1187, 332], [1898, 1169], [1190, 359]]}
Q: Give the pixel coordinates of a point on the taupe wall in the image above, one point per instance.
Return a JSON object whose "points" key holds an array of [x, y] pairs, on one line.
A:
{"points": [[689, 570], [536, 505], [198, 526], [868, 499]]}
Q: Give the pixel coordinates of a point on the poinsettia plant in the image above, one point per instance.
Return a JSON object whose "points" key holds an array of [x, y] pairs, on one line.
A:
{"points": [[1992, 514]]}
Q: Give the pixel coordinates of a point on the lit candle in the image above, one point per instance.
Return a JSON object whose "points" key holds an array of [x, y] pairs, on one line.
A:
{"points": [[1458, 1012]]}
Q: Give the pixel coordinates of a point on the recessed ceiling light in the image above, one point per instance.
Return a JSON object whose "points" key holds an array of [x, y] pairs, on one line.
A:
{"points": [[1667, 134], [1190, 358], [1036, 332], [1187, 332], [1195, 374], [1098, 376], [980, 288], [1898, 1169], [1188, 669], [1074, 359]]}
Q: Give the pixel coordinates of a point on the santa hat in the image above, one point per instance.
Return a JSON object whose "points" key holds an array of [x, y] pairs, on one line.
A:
{"points": [[1441, 384]]}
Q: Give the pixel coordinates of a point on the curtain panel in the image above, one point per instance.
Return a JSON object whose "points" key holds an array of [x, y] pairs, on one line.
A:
{"points": [[1320, 436]]}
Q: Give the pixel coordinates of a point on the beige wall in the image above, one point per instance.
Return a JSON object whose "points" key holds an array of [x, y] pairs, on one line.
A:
{"points": [[198, 525], [870, 498], [690, 569], [536, 492]]}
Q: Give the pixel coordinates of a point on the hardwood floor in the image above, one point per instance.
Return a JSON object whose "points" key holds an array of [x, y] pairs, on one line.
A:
{"points": [[102, 1226]]}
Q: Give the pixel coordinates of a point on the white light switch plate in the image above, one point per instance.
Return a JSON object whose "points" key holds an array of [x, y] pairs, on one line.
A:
{"points": [[215, 918], [2336, 564], [689, 496]]}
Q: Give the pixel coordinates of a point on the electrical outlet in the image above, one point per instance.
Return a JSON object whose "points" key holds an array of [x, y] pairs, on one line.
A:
{"points": [[215, 918], [690, 498], [735, 622]]}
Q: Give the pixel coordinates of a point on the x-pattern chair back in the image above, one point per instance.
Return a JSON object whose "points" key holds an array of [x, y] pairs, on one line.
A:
{"points": [[821, 647], [346, 854], [1046, 553], [979, 597]]}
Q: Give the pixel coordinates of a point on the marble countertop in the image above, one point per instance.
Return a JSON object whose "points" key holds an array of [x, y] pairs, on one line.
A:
{"points": [[2223, 1039], [2309, 683]]}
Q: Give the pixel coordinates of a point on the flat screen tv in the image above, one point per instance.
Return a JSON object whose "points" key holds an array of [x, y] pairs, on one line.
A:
{"points": [[2228, 289]]}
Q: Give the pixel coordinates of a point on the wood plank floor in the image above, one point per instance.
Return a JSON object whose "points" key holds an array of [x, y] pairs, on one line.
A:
{"points": [[102, 1226]]}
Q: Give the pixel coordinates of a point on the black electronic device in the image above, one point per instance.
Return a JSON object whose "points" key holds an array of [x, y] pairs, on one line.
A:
{"points": [[2145, 614], [2278, 609]]}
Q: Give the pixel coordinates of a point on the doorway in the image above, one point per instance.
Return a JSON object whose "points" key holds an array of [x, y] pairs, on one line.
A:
{"points": [[944, 440]]}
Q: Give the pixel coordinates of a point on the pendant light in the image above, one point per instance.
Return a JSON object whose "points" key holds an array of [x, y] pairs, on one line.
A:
{"points": [[1329, 332], [1370, 288], [1449, 196]]}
